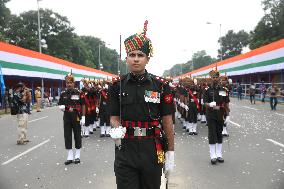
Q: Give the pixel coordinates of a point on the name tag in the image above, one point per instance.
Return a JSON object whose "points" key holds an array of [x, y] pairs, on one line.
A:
{"points": [[139, 131], [222, 93], [75, 97]]}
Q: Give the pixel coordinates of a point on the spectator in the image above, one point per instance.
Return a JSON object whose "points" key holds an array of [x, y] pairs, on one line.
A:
{"points": [[239, 91], [273, 92], [262, 88], [6, 100], [252, 93], [46, 98]]}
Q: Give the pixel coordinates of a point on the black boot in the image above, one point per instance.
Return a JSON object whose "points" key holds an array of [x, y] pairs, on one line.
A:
{"points": [[77, 160], [67, 162], [213, 161]]}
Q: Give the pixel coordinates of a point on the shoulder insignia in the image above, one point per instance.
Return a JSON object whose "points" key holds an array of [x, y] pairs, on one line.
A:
{"points": [[118, 78], [162, 80]]}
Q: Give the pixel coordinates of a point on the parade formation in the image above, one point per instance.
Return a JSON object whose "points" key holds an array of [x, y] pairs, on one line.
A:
{"points": [[141, 108], [140, 112]]}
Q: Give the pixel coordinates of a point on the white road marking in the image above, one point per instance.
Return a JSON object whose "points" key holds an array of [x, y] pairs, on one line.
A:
{"points": [[275, 142], [238, 125], [25, 152], [250, 108], [37, 119], [279, 114]]}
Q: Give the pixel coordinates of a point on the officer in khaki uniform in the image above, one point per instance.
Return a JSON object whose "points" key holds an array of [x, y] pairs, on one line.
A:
{"points": [[141, 109], [38, 98], [72, 103]]}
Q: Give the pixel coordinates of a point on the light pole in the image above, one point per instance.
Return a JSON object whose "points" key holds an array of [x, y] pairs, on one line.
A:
{"points": [[100, 64], [40, 51], [39, 29], [220, 37]]}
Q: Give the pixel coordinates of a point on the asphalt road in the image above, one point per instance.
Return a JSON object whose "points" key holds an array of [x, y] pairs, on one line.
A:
{"points": [[254, 154]]}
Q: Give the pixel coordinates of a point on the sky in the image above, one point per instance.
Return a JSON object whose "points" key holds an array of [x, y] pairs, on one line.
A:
{"points": [[177, 28]]}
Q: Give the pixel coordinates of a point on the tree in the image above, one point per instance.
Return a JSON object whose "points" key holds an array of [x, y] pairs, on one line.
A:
{"points": [[199, 59], [4, 16], [62, 42], [81, 53], [233, 43], [108, 57], [55, 29], [271, 26]]}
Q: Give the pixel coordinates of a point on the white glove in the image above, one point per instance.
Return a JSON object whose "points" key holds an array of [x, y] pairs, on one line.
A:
{"points": [[186, 108], [62, 107], [97, 110], [82, 121], [227, 120], [212, 104], [170, 162], [117, 132]]}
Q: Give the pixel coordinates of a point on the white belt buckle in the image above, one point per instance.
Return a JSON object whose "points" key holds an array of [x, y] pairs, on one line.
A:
{"points": [[139, 131], [71, 109]]}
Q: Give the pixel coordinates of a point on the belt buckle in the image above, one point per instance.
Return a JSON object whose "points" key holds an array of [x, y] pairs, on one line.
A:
{"points": [[70, 109], [139, 131]]}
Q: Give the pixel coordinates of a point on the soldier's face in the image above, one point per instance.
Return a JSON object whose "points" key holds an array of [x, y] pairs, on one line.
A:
{"points": [[215, 79], [224, 82], [86, 85], [70, 85], [137, 61]]}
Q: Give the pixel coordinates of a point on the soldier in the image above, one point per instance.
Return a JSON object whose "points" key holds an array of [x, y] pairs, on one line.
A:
{"points": [[90, 103], [203, 85], [183, 107], [94, 119], [104, 112], [193, 107], [73, 104], [216, 100], [141, 103], [226, 86]]}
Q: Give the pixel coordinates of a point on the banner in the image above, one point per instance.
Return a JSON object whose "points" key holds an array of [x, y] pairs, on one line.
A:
{"points": [[2, 83]]}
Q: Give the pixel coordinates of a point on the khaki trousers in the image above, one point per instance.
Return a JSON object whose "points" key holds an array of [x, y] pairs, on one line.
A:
{"points": [[38, 102], [22, 127]]}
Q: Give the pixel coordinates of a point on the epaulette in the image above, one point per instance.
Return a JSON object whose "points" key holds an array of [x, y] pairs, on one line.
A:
{"points": [[162, 80], [118, 78]]}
